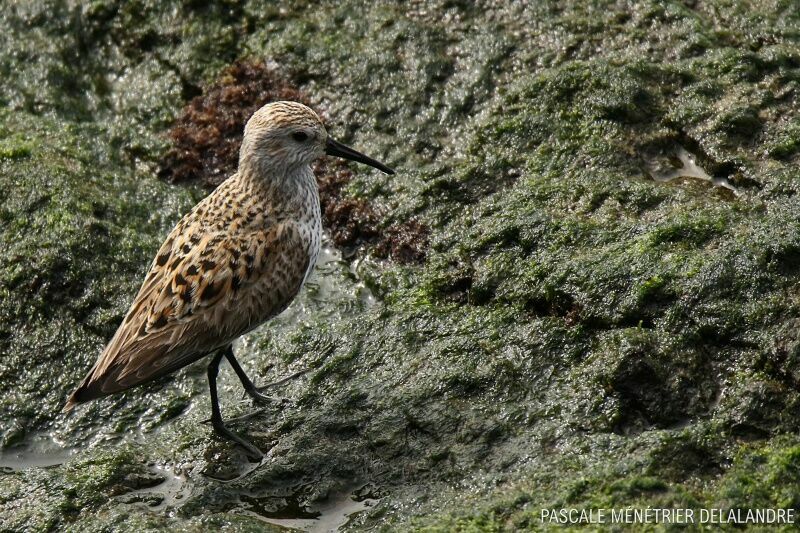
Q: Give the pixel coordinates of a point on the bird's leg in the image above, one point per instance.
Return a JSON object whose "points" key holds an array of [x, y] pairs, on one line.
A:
{"points": [[249, 387], [216, 416]]}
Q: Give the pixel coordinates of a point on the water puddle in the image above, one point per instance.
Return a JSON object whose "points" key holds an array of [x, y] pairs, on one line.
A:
{"points": [[328, 516], [683, 164], [40, 450], [172, 491]]}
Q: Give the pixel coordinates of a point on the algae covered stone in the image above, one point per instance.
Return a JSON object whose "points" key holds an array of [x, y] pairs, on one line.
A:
{"points": [[578, 334]]}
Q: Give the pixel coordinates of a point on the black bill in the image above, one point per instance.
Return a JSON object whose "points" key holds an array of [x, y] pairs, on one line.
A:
{"points": [[340, 150]]}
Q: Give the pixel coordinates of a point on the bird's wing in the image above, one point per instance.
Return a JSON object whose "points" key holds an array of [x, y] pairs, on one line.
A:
{"points": [[203, 290]]}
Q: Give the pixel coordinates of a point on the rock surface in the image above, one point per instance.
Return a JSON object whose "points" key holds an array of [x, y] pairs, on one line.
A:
{"points": [[578, 334]]}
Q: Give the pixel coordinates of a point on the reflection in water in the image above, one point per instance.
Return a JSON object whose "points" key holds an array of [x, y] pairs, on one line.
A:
{"points": [[38, 450], [683, 164], [171, 492], [325, 517]]}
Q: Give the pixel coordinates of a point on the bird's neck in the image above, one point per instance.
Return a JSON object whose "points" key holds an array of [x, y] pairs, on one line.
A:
{"points": [[287, 192]]}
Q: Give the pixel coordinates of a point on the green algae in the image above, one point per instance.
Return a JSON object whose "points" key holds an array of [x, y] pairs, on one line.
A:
{"points": [[579, 335], [89, 494], [65, 209], [15, 147], [760, 476]]}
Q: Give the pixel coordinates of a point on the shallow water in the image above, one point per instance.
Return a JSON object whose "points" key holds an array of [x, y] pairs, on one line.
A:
{"points": [[173, 487], [683, 164], [328, 516], [169, 493], [38, 451]]}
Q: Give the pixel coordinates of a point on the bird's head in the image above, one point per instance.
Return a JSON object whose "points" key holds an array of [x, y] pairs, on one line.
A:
{"points": [[289, 135]]}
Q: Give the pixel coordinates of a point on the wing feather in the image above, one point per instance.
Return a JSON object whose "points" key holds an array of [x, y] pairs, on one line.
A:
{"points": [[203, 290]]}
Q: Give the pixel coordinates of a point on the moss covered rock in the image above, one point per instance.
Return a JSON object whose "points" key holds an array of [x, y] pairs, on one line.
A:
{"points": [[578, 334]]}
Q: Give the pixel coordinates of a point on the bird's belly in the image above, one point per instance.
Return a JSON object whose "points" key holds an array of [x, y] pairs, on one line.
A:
{"points": [[270, 297]]}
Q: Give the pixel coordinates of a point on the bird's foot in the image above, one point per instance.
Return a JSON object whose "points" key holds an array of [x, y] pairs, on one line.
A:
{"points": [[252, 451], [258, 396], [283, 381]]}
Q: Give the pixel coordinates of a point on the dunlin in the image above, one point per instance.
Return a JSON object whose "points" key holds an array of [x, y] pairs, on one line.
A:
{"points": [[234, 261]]}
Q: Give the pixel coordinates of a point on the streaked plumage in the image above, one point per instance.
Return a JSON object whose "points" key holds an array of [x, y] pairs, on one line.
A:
{"points": [[234, 261]]}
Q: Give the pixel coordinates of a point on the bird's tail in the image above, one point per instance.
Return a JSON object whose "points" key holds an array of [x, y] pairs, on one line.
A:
{"points": [[71, 403], [76, 397]]}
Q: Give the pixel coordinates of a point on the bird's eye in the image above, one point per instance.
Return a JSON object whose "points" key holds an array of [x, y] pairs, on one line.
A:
{"points": [[299, 136]]}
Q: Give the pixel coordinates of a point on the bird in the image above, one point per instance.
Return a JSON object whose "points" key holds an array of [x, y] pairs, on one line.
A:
{"points": [[236, 260]]}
